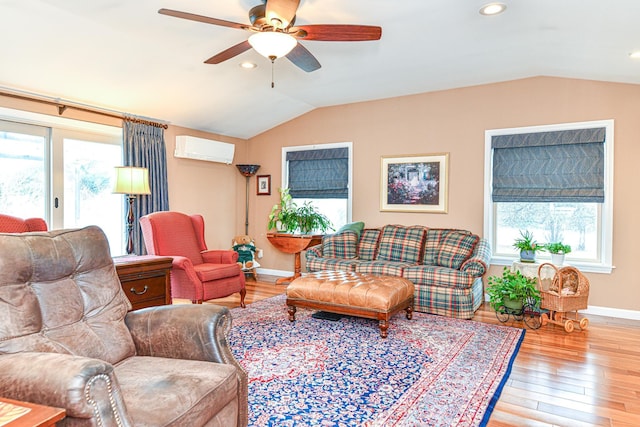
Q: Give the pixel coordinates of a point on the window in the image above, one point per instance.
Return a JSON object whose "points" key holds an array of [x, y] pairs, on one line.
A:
{"points": [[556, 182], [61, 170], [320, 174]]}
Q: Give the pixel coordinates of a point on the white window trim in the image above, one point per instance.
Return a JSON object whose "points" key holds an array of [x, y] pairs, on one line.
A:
{"points": [[348, 145], [606, 229]]}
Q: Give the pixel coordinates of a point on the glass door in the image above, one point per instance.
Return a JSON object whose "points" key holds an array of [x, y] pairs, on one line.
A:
{"points": [[24, 175]]}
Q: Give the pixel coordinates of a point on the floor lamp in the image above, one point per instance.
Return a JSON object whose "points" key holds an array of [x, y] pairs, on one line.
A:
{"points": [[247, 171], [131, 181]]}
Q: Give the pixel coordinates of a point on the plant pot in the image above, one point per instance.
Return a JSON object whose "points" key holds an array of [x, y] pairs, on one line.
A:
{"points": [[557, 259], [513, 304], [527, 256]]}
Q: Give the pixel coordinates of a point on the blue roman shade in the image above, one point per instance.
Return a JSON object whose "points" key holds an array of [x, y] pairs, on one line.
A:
{"points": [[319, 174], [559, 166]]}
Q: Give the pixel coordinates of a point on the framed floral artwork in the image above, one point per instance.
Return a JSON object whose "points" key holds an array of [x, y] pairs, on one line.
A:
{"points": [[415, 183]]}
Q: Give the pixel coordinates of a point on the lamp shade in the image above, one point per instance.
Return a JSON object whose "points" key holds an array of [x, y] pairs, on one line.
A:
{"points": [[272, 44], [131, 180], [248, 170]]}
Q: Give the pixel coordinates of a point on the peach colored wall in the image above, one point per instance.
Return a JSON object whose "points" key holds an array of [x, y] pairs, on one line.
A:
{"points": [[214, 190], [454, 121]]}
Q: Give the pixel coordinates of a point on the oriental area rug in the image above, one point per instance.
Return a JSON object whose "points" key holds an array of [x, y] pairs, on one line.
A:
{"points": [[430, 371]]}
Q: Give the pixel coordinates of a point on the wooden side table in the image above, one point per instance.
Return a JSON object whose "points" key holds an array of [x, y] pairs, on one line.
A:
{"points": [[145, 279], [37, 416], [293, 244]]}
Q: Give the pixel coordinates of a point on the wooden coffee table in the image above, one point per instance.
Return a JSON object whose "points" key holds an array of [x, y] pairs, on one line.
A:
{"points": [[37, 416]]}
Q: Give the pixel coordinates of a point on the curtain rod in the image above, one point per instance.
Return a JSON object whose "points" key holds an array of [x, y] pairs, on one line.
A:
{"points": [[63, 105]]}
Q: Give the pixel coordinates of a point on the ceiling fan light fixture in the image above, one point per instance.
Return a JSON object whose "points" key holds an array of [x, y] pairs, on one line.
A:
{"points": [[272, 44], [492, 9], [635, 54]]}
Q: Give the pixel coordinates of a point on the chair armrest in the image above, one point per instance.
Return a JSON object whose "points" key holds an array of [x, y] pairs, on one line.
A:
{"points": [[479, 261], [82, 386], [314, 252], [220, 256], [185, 264], [195, 332]]}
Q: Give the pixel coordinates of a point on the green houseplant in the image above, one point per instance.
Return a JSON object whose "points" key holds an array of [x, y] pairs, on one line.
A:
{"points": [[558, 250], [511, 290], [287, 217], [528, 246]]}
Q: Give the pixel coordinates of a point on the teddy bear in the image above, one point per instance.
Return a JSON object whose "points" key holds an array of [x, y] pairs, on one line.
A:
{"points": [[246, 249]]}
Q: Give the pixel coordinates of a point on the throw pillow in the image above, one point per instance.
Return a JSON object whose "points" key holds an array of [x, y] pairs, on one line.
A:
{"points": [[456, 247], [402, 243], [340, 245], [368, 246], [357, 227]]}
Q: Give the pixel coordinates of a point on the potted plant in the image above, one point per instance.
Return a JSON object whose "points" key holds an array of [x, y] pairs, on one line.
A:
{"points": [[287, 217], [511, 290], [528, 246], [558, 250]]}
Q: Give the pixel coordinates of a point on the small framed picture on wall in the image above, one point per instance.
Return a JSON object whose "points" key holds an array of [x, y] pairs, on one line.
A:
{"points": [[264, 185]]}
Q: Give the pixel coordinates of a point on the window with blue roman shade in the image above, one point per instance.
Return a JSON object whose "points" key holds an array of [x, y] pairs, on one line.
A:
{"points": [[557, 166], [319, 174]]}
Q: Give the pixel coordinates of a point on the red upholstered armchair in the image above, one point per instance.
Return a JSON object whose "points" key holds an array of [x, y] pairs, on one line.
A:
{"points": [[198, 274], [12, 224]]}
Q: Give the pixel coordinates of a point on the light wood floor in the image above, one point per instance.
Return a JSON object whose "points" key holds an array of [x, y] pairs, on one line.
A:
{"points": [[585, 378]]}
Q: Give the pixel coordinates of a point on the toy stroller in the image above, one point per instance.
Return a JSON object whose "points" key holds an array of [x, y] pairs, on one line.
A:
{"points": [[567, 291]]}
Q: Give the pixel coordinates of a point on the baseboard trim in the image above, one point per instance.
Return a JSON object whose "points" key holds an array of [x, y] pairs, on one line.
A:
{"points": [[612, 312], [270, 272]]}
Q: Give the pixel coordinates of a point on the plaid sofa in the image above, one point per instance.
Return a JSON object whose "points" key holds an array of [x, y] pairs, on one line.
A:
{"points": [[445, 265]]}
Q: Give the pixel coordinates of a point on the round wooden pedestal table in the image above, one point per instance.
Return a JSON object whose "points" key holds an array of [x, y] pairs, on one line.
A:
{"points": [[293, 244]]}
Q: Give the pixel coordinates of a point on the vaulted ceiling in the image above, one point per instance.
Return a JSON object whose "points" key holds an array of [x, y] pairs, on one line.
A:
{"points": [[123, 55]]}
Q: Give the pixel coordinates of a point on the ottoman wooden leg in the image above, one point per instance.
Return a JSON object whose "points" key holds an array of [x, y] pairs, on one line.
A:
{"points": [[409, 311], [292, 313], [384, 325]]}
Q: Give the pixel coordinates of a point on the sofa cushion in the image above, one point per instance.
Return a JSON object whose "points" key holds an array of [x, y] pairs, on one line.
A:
{"points": [[161, 391], [401, 244], [357, 227], [368, 245], [382, 268], [207, 272], [331, 264], [430, 275], [455, 248], [340, 245]]}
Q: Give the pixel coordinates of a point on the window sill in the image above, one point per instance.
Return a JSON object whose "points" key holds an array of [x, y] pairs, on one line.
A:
{"points": [[585, 267]]}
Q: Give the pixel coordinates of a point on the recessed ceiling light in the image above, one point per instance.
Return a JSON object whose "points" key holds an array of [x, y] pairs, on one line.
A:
{"points": [[492, 9], [248, 65], [635, 55]]}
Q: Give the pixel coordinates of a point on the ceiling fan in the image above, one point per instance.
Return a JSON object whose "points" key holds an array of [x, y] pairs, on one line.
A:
{"points": [[274, 34]]}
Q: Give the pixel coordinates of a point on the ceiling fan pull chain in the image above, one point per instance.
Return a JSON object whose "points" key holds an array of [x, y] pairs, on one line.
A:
{"points": [[272, 66]]}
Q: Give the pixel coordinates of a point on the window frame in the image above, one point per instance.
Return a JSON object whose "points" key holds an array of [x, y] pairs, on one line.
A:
{"points": [[59, 129], [348, 145], [605, 219]]}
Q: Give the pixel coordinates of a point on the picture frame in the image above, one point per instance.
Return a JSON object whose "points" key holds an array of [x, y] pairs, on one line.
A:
{"points": [[263, 185], [415, 183]]}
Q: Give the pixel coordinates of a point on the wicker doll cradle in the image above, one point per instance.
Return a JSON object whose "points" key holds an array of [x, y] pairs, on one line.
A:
{"points": [[566, 292]]}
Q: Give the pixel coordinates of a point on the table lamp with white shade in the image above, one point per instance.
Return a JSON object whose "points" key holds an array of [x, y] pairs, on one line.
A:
{"points": [[132, 181]]}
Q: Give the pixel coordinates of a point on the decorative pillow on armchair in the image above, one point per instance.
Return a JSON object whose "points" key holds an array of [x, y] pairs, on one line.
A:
{"points": [[456, 247], [340, 245]]}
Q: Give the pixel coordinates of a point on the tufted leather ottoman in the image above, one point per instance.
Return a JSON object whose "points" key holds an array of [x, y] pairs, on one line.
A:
{"points": [[355, 294]]}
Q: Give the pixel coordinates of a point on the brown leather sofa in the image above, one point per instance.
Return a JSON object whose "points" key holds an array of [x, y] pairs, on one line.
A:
{"points": [[67, 339]]}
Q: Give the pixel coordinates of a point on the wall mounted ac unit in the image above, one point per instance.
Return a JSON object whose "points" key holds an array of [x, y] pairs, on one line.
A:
{"points": [[190, 147]]}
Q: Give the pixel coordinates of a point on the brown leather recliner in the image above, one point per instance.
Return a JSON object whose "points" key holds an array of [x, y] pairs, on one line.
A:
{"points": [[68, 340]]}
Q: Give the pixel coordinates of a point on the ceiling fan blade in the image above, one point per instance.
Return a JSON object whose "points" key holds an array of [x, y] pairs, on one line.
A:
{"points": [[337, 32], [200, 18], [229, 53], [303, 59], [283, 10]]}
